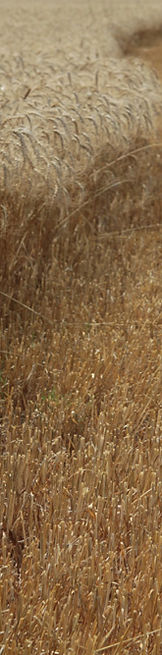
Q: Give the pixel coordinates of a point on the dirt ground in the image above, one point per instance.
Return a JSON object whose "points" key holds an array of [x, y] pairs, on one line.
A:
{"points": [[148, 46]]}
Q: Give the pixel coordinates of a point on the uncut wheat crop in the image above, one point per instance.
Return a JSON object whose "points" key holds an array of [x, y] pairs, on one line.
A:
{"points": [[80, 328]]}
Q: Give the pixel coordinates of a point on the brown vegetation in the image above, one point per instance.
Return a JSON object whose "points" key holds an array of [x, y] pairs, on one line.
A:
{"points": [[80, 372]]}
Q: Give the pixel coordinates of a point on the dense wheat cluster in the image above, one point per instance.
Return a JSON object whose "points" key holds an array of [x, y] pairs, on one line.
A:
{"points": [[80, 298]]}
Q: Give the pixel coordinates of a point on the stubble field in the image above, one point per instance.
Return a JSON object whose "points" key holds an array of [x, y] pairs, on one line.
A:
{"points": [[80, 331]]}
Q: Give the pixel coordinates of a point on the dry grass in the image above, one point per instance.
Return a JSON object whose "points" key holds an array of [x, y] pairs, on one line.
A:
{"points": [[80, 372]]}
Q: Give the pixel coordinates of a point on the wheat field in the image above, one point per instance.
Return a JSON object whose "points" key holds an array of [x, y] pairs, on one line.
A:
{"points": [[80, 327]]}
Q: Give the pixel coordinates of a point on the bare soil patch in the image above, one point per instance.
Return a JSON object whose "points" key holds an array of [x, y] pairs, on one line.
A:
{"points": [[148, 46]]}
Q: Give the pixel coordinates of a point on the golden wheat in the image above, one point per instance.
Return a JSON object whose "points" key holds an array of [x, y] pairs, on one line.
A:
{"points": [[80, 335]]}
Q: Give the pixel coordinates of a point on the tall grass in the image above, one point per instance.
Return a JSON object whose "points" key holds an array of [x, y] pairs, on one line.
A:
{"points": [[80, 371]]}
